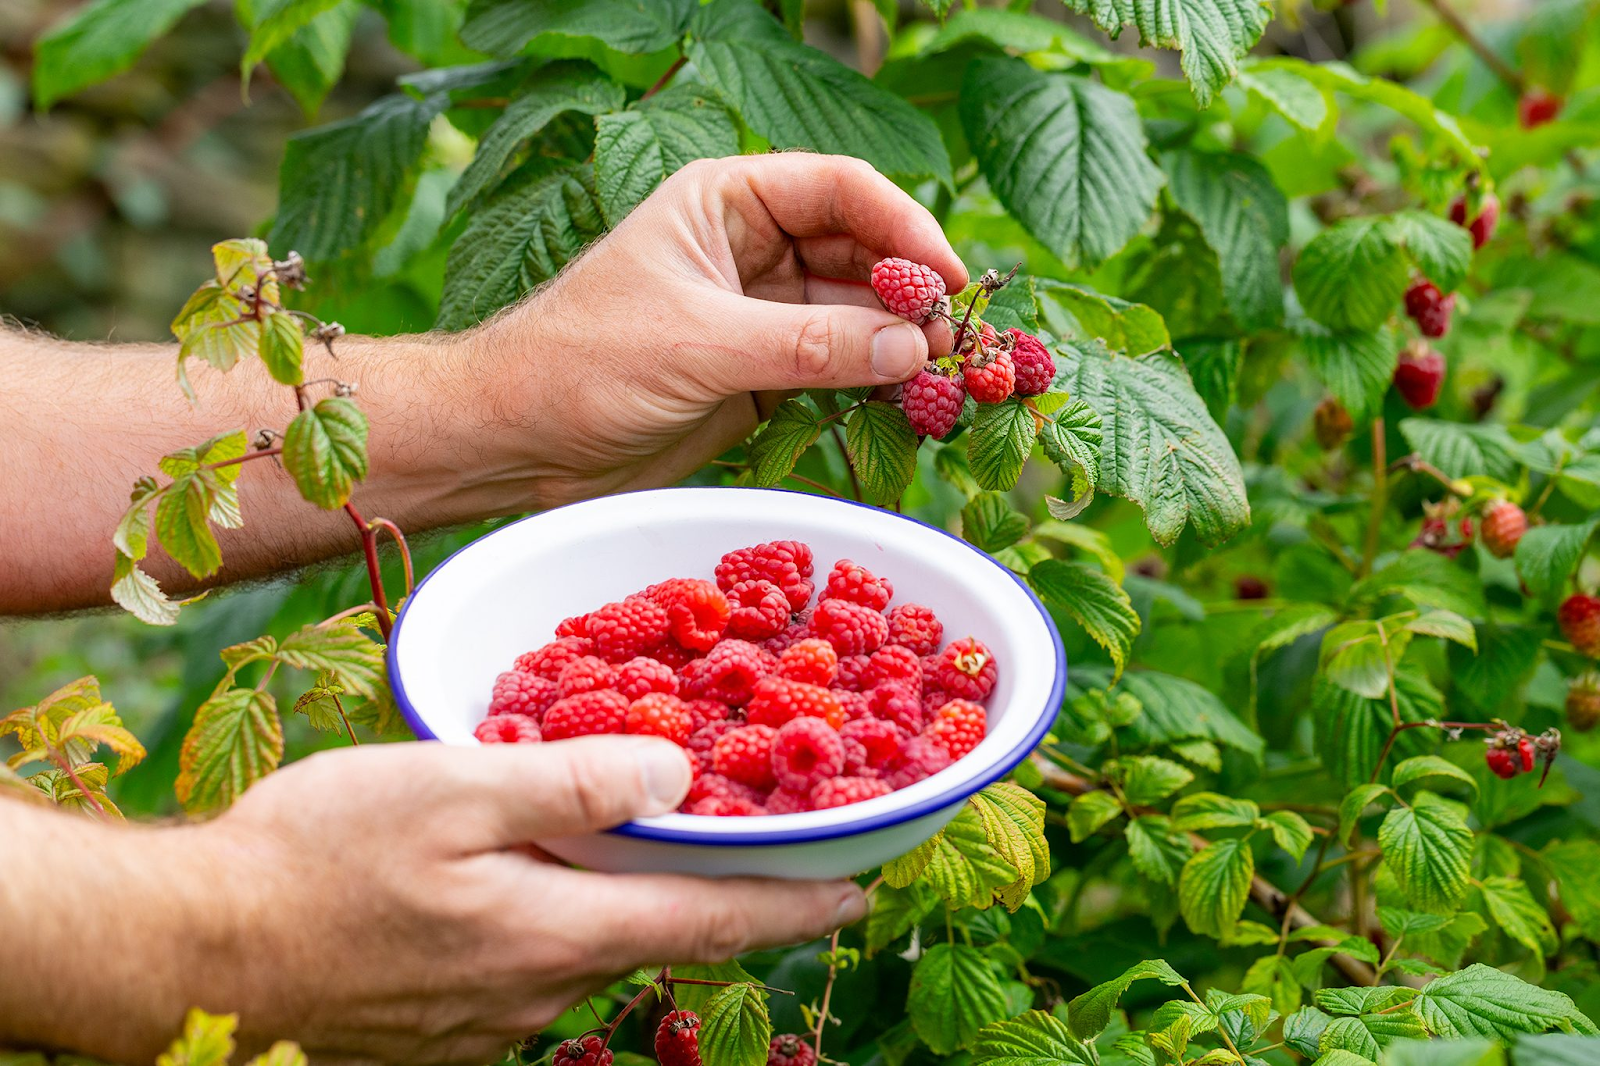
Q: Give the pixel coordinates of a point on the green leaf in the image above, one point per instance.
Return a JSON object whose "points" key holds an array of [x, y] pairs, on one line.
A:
{"points": [[1215, 885], [1290, 832], [1436, 771], [1213, 35], [1071, 439], [1288, 93], [311, 61], [1244, 219], [1513, 909], [635, 150], [342, 651], [1441, 249], [1350, 730], [206, 1040], [1546, 556], [325, 451], [635, 27], [1090, 1013], [1001, 439], [1176, 708], [1576, 866], [183, 523], [339, 183], [1428, 848], [1148, 779], [895, 912], [535, 222], [735, 1029], [1064, 154], [1089, 812], [1078, 311], [1161, 448], [798, 97], [1483, 1001], [1013, 824], [1462, 450], [1212, 810], [1555, 1049], [954, 993], [1158, 851], [991, 523], [1033, 1038], [1367, 1034], [959, 863], [274, 23], [1214, 367], [283, 347], [882, 449], [1303, 1029], [1094, 601], [1355, 365], [1351, 275], [1446, 625], [1355, 657], [97, 40], [138, 593], [777, 447], [1425, 578], [235, 740]]}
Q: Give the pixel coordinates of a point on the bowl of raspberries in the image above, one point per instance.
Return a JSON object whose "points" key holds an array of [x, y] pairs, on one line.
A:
{"points": [[840, 677]]}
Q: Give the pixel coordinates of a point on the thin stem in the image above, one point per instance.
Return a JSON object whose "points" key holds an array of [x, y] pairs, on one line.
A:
{"points": [[825, 419], [1418, 465], [661, 82], [1502, 70], [348, 612], [827, 993], [261, 454], [961, 331], [1380, 497], [627, 1008], [72, 775], [819, 486], [346, 720], [729, 984], [400, 542], [844, 453], [369, 547], [1221, 1031]]}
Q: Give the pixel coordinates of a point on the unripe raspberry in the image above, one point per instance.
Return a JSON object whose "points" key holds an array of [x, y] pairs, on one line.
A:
{"points": [[1430, 308], [790, 1050], [991, 383], [1419, 375], [1536, 107], [507, 729], [1035, 367], [932, 402], [1579, 618], [848, 581], [1583, 701], [909, 289], [678, 1039], [1504, 523]]}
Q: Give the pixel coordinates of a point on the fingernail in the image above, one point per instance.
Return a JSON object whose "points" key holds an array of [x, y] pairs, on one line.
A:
{"points": [[665, 770], [897, 351], [852, 905]]}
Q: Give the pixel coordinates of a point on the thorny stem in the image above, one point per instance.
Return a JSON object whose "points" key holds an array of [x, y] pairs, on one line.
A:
{"points": [[346, 720], [1401, 727], [258, 454], [348, 612], [827, 993], [844, 453], [1502, 70], [369, 547], [627, 1008], [400, 542], [661, 82], [1380, 497]]}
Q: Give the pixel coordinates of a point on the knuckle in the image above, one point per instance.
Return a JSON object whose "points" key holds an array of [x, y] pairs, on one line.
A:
{"points": [[814, 345]]}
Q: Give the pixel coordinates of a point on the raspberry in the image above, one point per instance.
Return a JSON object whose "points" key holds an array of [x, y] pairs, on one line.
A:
{"points": [[1435, 536], [723, 807], [632, 627], [589, 1051], [812, 661], [585, 674], [1332, 424], [909, 289], [790, 1050], [959, 725], [777, 700], [895, 664], [673, 654], [990, 383], [1583, 701], [643, 675], [806, 751], [1525, 752], [1035, 367], [920, 757], [965, 669], [728, 672], [715, 786], [744, 755], [518, 692], [1430, 308], [782, 802], [1504, 523], [1579, 618], [898, 705], [852, 675], [932, 700], [1418, 376], [760, 610], [785, 563], [549, 660], [870, 744], [576, 626], [914, 626], [793, 633], [704, 712], [697, 611], [587, 713], [851, 628], [1482, 227], [932, 402], [1502, 762], [658, 714], [508, 729], [857, 584], [1536, 107], [841, 791], [703, 741]]}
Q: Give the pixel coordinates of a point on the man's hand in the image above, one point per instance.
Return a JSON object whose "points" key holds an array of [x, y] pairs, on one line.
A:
{"points": [[375, 904]]}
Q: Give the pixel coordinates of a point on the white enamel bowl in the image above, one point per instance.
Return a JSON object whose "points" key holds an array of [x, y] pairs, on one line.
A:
{"points": [[504, 593]]}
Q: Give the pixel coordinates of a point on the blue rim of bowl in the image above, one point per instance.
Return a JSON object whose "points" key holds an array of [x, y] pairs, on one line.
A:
{"points": [[957, 792]]}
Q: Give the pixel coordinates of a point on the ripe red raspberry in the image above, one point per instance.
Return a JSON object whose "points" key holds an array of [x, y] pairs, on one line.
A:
{"points": [[932, 402], [785, 563], [1482, 227], [1536, 107], [893, 663], [914, 626], [576, 626], [898, 705], [589, 1051], [549, 660], [1583, 701], [507, 729], [723, 807], [1430, 308], [728, 673], [760, 610], [965, 669], [806, 751], [715, 786], [841, 791], [781, 802], [1579, 618], [909, 289], [1504, 523], [1502, 763], [920, 757], [672, 654], [585, 674], [1418, 376], [744, 755], [632, 627], [519, 692], [852, 675], [849, 581], [793, 633], [851, 628], [870, 744], [812, 661], [855, 704], [702, 742], [1525, 753], [643, 675], [658, 714], [991, 383], [587, 713], [1435, 536], [959, 725], [1035, 367], [704, 712], [777, 700], [697, 611], [790, 1050]]}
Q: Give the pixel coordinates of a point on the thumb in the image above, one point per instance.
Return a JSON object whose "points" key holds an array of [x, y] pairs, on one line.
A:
{"points": [[777, 346]]}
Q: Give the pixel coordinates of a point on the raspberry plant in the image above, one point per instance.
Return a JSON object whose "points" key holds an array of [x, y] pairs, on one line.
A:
{"points": [[1315, 327]]}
